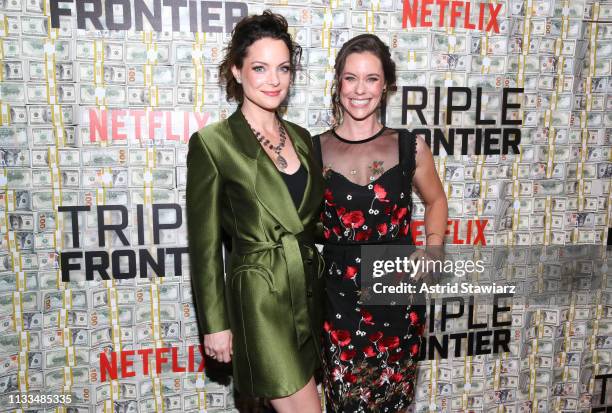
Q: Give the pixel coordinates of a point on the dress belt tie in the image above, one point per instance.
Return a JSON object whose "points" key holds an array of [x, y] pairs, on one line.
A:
{"points": [[295, 275]]}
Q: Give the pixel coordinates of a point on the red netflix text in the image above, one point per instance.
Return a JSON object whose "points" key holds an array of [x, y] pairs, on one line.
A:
{"points": [[140, 125], [470, 232], [146, 356], [458, 10]]}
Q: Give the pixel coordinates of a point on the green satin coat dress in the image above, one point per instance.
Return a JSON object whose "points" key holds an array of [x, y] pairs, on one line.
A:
{"points": [[272, 295]]}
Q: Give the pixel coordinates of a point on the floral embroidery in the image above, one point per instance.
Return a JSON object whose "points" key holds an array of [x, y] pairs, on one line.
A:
{"points": [[366, 317], [381, 228], [355, 219], [363, 235], [370, 359], [329, 198], [380, 193], [350, 272], [376, 169], [362, 385]]}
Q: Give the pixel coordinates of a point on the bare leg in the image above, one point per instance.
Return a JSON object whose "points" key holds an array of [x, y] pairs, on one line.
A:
{"points": [[305, 400]]}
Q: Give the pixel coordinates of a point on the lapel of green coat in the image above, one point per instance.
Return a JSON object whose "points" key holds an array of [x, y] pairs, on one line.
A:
{"points": [[270, 187]]}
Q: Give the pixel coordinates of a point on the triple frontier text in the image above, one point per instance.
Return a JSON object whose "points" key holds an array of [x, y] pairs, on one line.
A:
{"points": [[159, 15], [486, 138], [122, 263], [477, 338], [147, 227]]}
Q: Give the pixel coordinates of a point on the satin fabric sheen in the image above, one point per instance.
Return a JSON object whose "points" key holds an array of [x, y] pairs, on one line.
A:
{"points": [[272, 296]]}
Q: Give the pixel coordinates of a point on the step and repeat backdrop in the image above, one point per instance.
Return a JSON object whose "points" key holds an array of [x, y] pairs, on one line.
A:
{"points": [[98, 100]]}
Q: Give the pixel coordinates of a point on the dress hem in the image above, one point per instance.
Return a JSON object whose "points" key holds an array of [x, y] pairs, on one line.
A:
{"points": [[277, 396]]}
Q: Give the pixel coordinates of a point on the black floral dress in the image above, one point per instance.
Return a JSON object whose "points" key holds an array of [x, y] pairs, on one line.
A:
{"points": [[370, 351]]}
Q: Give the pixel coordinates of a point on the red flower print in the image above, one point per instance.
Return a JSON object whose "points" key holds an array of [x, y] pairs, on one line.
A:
{"points": [[340, 337], [353, 219], [350, 272], [380, 193], [327, 326], [350, 378], [382, 228], [397, 377], [395, 357], [340, 211], [407, 387], [363, 235], [374, 337], [414, 349], [329, 198], [347, 355], [388, 343], [337, 230], [326, 233], [368, 351], [398, 214], [414, 318], [366, 317], [388, 210]]}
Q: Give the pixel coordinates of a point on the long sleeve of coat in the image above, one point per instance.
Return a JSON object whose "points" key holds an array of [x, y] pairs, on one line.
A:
{"points": [[204, 188]]}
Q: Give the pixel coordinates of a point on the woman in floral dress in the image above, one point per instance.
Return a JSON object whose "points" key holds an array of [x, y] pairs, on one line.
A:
{"points": [[370, 352]]}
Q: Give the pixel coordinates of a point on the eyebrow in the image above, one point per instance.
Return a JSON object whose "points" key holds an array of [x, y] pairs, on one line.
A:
{"points": [[369, 74], [266, 64]]}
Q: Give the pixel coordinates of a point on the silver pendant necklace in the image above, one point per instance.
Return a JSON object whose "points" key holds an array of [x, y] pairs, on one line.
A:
{"points": [[280, 161]]}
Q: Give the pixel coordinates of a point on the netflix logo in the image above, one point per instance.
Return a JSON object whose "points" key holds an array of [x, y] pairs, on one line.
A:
{"points": [[127, 363], [419, 14], [137, 125], [470, 232]]}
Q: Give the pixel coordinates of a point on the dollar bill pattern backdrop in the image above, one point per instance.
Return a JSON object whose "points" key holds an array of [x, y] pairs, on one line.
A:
{"points": [[556, 192]]}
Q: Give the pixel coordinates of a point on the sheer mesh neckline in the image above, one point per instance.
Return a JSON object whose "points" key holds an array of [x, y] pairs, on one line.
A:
{"points": [[361, 162], [352, 142], [371, 182]]}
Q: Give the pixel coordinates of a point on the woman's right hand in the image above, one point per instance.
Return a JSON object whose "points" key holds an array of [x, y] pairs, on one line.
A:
{"points": [[218, 346]]}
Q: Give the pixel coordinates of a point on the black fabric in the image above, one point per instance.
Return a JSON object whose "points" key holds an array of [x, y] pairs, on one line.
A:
{"points": [[296, 184], [370, 351], [316, 143]]}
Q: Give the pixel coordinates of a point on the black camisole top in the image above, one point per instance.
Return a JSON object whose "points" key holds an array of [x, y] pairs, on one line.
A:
{"points": [[296, 183]]}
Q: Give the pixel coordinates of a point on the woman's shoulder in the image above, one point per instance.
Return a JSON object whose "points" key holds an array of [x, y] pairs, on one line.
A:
{"points": [[213, 130], [414, 145], [211, 135]]}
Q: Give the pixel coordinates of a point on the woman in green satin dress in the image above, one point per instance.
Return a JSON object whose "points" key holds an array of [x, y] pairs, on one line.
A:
{"points": [[252, 177]]}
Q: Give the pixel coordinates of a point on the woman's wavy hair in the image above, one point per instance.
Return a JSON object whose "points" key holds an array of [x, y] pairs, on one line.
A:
{"points": [[361, 44], [248, 31]]}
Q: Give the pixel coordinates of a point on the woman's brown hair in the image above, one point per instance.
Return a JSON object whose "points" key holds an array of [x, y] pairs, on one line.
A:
{"points": [[248, 31], [361, 44]]}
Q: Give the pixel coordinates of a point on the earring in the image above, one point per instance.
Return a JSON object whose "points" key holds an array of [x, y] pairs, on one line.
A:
{"points": [[239, 81]]}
